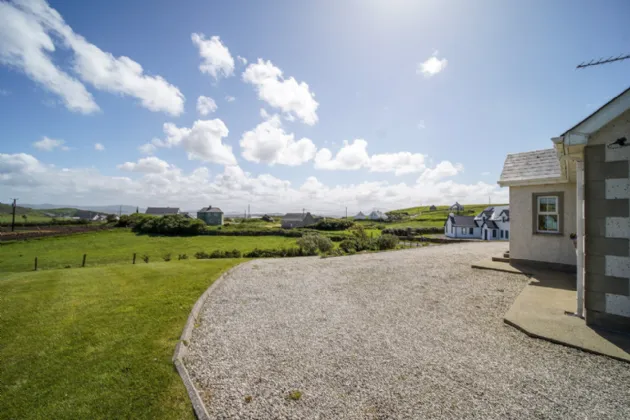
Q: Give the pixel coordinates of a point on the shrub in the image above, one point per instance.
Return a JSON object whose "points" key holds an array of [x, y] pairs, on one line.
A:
{"points": [[333, 224], [182, 257], [201, 255], [111, 218], [274, 253], [409, 231], [387, 241], [169, 225], [349, 246], [310, 244], [334, 253], [145, 258], [267, 218], [167, 257]]}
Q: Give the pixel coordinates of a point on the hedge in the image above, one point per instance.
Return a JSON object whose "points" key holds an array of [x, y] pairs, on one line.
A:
{"points": [[410, 231]]}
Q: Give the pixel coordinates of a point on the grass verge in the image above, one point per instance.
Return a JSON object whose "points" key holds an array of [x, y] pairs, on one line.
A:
{"points": [[118, 246], [97, 342]]}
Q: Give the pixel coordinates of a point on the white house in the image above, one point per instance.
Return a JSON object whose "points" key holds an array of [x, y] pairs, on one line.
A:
{"points": [[377, 215], [570, 211], [462, 227], [456, 207], [492, 224]]}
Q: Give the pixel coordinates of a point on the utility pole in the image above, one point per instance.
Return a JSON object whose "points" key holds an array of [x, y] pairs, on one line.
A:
{"points": [[120, 211], [249, 212], [13, 219], [346, 212]]}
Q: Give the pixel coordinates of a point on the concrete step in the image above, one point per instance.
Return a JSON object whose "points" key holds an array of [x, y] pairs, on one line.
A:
{"points": [[498, 266], [502, 259]]}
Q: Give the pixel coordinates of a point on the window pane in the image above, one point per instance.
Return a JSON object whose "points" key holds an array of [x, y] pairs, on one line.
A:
{"points": [[547, 204], [548, 223]]}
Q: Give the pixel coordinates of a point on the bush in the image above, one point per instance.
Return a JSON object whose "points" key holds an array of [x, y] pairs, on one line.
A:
{"points": [[267, 218], [334, 253], [274, 253], [310, 244], [111, 218], [409, 231], [167, 257], [387, 241], [169, 225], [333, 224], [145, 258], [182, 257], [201, 255], [349, 246]]}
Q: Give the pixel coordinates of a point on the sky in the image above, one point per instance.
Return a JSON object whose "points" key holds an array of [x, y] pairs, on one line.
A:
{"points": [[285, 105]]}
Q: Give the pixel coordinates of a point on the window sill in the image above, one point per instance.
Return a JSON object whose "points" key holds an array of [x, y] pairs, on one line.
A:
{"points": [[549, 233]]}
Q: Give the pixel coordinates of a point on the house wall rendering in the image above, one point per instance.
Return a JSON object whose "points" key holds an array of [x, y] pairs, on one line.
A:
{"points": [[530, 246], [607, 212]]}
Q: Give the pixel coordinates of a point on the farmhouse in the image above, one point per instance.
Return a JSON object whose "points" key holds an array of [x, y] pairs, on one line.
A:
{"points": [[213, 216], [462, 227], [294, 220], [377, 215], [570, 211], [456, 207], [162, 211], [492, 223], [432, 208]]}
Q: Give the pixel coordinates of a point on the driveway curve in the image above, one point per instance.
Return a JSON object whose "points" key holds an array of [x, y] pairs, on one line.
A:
{"points": [[406, 334]]}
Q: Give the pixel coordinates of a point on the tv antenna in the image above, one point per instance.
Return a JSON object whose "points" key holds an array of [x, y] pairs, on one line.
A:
{"points": [[601, 61]]}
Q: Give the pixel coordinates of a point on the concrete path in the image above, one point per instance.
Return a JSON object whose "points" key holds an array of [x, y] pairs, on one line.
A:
{"points": [[407, 334]]}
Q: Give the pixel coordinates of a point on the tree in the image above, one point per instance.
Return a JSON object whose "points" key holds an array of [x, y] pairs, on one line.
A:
{"points": [[137, 209], [25, 217]]}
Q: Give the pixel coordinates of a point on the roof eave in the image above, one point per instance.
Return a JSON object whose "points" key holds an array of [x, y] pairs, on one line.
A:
{"points": [[527, 182]]}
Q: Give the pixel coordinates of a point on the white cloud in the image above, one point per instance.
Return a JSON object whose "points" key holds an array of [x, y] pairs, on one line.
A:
{"points": [[243, 60], [232, 189], [443, 169], [216, 58], [421, 125], [147, 148], [206, 105], [269, 143], [400, 163], [99, 147], [25, 44], [230, 98], [431, 66], [203, 141], [287, 95], [353, 156], [149, 165], [485, 173], [47, 144]]}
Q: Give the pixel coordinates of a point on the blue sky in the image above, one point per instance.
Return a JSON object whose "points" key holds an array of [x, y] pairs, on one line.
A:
{"points": [[506, 83]]}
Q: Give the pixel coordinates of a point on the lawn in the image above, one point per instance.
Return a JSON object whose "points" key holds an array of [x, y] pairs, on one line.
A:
{"points": [[97, 342], [118, 246]]}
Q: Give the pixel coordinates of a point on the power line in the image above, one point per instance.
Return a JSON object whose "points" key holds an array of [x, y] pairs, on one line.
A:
{"points": [[601, 61]]}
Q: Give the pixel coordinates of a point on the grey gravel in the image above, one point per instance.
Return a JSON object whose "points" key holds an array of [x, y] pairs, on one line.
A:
{"points": [[406, 334]]}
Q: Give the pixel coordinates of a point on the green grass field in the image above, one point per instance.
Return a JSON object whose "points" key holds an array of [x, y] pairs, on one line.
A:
{"points": [[96, 343], [118, 246]]}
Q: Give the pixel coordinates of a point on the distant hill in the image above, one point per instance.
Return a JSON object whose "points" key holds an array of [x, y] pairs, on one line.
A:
{"points": [[125, 209]]}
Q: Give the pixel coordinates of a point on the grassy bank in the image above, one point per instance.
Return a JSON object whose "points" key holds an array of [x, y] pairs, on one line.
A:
{"points": [[118, 246], [97, 342]]}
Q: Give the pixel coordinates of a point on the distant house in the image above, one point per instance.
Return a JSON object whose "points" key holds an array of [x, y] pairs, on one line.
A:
{"points": [[162, 211], [360, 216], [85, 214], [294, 220], [456, 207], [377, 215], [462, 227], [213, 216], [432, 208]]}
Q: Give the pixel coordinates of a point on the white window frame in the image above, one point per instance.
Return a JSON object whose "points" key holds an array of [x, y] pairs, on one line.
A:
{"points": [[464, 231], [548, 213]]}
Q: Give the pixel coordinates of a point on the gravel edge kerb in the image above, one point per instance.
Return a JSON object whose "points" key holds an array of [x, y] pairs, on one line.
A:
{"points": [[181, 349]]}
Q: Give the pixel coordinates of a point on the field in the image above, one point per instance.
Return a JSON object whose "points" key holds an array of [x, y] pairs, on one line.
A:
{"points": [[118, 246], [97, 342]]}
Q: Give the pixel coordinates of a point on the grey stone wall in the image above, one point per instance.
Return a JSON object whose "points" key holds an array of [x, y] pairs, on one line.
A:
{"points": [[607, 215]]}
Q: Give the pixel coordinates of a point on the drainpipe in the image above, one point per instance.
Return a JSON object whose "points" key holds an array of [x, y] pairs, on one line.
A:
{"points": [[579, 168]]}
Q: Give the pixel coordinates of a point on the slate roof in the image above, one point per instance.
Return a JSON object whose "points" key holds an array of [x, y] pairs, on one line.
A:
{"points": [[294, 217], [506, 212], [536, 165], [161, 211], [491, 224], [463, 221], [210, 209]]}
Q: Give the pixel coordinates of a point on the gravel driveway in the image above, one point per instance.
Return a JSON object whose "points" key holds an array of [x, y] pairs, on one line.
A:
{"points": [[406, 334]]}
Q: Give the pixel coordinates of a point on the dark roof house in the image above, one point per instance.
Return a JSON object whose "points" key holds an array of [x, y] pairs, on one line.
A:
{"points": [[462, 221], [162, 211], [293, 220]]}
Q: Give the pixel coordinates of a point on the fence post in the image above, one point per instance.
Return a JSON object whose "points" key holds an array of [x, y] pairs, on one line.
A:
{"points": [[134, 258], [84, 257], [35, 263]]}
